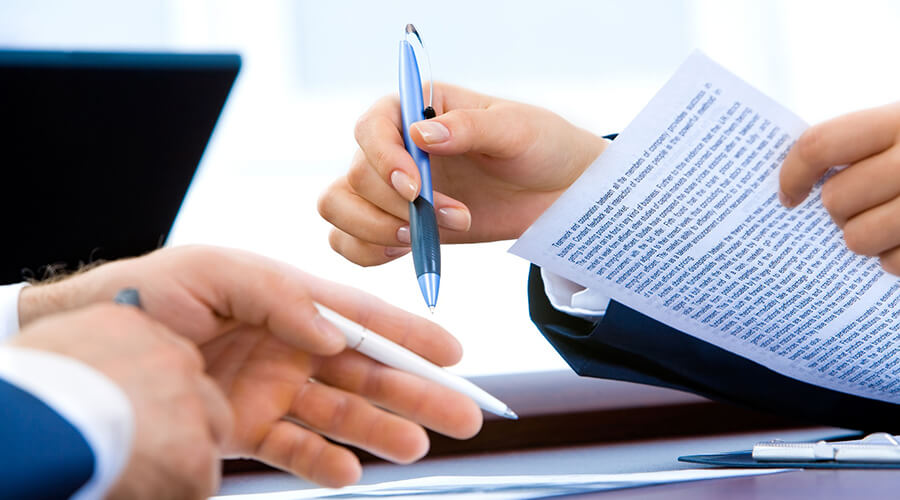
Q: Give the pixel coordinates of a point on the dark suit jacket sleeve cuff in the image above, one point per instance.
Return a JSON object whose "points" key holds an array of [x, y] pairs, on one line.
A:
{"points": [[576, 340]]}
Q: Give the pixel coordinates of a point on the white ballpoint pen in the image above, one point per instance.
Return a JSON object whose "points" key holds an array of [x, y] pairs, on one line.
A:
{"points": [[383, 350]]}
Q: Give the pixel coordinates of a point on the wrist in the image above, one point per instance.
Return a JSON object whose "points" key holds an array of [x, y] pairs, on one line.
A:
{"points": [[37, 301], [84, 397], [43, 299]]}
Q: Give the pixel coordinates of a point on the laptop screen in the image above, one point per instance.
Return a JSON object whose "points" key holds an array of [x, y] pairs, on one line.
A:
{"points": [[98, 150]]}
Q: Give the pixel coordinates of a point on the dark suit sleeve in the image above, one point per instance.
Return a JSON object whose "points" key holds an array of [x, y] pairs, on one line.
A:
{"points": [[42, 455], [626, 345]]}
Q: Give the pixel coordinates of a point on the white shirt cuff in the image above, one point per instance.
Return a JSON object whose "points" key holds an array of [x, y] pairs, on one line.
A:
{"points": [[86, 398], [9, 309], [573, 299]]}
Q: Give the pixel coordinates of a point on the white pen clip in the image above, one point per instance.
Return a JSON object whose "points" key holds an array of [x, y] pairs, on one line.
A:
{"points": [[353, 332], [412, 34], [362, 337], [388, 353]]}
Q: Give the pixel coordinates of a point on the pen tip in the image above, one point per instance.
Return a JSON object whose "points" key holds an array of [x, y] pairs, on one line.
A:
{"points": [[429, 284], [411, 30], [510, 414]]}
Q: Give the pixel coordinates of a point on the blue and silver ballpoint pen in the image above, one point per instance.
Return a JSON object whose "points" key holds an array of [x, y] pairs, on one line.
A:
{"points": [[423, 230]]}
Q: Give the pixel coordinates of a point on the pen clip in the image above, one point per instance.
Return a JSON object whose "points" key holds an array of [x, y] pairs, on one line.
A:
{"points": [[413, 34]]}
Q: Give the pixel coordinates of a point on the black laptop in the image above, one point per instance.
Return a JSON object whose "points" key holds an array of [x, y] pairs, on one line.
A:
{"points": [[97, 151]]}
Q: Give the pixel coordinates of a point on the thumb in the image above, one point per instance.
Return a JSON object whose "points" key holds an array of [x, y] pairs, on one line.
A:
{"points": [[460, 131], [221, 288]]}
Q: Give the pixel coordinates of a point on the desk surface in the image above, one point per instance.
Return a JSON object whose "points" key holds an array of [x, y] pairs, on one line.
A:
{"points": [[829, 484], [643, 456]]}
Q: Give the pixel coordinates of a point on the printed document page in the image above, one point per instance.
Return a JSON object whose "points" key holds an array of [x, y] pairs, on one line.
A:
{"points": [[503, 487], [679, 219]]}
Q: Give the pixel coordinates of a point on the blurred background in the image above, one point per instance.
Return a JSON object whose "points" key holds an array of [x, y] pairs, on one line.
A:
{"points": [[312, 67]]}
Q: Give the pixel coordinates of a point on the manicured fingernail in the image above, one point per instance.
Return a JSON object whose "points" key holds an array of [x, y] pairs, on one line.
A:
{"points": [[784, 199], [328, 330], [433, 132], [404, 185], [454, 218], [403, 235], [395, 251]]}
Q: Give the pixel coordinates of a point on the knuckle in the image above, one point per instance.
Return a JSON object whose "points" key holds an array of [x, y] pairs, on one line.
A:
{"points": [[337, 415], [180, 484], [856, 239], [809, 145], [189, 251], [184, 253], [891, 264], [279, 284], [365, 122], [203, 472], [367, 259], [339, 243], [830, 198], [353, 250], [325, 204], [194, 470], [311, 445], [373, 382], [381, 159], [200, 254], [462, 120], [201, 257], [356, 176], [334, 241], [362, 125]]}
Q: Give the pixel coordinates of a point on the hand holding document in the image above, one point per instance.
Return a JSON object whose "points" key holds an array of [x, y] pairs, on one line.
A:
{"points": [[679, 219]]}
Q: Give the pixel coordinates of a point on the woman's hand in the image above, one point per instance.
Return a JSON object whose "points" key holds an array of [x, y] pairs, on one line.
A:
{"points": [[864, 198], [496, 165]]}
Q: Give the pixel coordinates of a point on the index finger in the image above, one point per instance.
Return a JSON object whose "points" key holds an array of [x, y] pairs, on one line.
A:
{"points": [[839, 141], [232, 285], [415, 333], [378, 133], [216, 288], [451, 97]]}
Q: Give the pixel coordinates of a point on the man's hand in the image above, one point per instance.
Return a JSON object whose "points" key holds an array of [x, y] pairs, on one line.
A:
{"points": [[864, 198], [496, 166], [182, 420], [280, 363]]}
